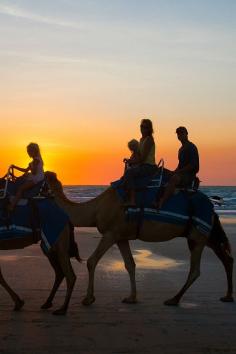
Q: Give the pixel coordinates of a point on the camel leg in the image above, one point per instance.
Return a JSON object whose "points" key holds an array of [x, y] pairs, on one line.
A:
{"points": [[59, 276], [65, 264], [106, 242], [196, 252], [228, 262], [130, 267], [18, 302]]}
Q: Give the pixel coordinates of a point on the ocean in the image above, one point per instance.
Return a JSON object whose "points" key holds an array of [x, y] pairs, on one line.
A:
{"points": [[228, 194]]}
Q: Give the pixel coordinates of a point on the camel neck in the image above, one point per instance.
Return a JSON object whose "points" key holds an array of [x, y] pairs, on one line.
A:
{"points": [[81, 214]]}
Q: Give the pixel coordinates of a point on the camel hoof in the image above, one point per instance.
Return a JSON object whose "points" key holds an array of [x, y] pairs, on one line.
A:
{"points": [[171, 302], [18, 305], [227, 298], [46, 305], [59, 312], [129, 300], [87, 301]]}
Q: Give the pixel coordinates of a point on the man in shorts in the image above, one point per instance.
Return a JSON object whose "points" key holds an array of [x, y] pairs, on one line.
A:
{"points": [[187, 168]]}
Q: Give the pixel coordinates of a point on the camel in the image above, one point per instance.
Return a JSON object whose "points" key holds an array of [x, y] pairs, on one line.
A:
{"points": [[59, 258], [107, 213]]}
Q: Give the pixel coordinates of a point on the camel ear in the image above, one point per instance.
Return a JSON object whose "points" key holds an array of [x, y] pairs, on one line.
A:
{"points": [[51, 176]]}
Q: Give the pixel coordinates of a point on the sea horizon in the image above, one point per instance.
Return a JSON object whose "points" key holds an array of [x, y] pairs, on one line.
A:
{"points": [[107, 185], [81, 193]]}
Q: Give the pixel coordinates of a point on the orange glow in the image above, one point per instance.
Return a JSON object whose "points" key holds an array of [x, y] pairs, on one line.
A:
{"points": [[88, 148], [88, 165]]}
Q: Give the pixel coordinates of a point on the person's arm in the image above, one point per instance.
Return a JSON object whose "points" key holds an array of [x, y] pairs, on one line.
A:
{"points": [[20, 168], [134, 159], [149, 142]]}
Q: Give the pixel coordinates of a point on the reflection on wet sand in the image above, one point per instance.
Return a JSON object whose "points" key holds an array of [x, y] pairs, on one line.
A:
{"points": [[188, 305], [228, 220], [13, 258], [147, 260]]}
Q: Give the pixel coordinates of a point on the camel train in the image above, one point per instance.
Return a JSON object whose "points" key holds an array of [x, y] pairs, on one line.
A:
{"points": [[107, 214]]}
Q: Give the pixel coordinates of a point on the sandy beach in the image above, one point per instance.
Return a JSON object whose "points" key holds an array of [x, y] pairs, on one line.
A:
{"points": [[200, 324]]}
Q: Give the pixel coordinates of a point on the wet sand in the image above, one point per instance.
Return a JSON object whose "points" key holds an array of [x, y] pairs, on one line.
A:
{"points": [[200, 324]]}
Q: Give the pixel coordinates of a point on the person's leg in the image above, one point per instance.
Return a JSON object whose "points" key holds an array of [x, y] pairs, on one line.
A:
{"points": [[143, 170], [130, 198], [27, 185], [169, 190], [129, 176]]}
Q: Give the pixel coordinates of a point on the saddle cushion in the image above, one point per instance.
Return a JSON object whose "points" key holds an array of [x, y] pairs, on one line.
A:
{"points": [[146, 188], [51, 221], [32, 192], [178, 209]]}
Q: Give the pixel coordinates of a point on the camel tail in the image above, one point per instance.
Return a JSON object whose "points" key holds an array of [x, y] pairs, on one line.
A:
{"points": [[219, 236], [74, 250]]}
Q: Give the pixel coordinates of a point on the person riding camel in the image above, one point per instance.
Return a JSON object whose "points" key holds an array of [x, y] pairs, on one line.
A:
{"points": [[33, 174], [134, 159], [146, 165], [187, 168]]}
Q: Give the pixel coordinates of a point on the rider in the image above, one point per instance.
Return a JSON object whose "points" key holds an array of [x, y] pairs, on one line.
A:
{"points": [[146, 165], [187, 168], [134, 159], [33, 174]]}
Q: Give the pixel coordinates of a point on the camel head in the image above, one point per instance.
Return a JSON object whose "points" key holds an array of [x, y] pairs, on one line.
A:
{"points": [[54, 184]]}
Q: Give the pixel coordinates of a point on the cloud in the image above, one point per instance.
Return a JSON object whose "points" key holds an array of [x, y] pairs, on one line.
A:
{"points": [[43, 58], [22, 13]]}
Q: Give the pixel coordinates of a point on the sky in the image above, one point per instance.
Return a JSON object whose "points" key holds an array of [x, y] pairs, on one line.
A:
{"points": [[78, 76]]}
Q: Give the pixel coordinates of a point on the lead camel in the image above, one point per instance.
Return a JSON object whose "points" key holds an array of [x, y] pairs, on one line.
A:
{"points": [[107, 214]]}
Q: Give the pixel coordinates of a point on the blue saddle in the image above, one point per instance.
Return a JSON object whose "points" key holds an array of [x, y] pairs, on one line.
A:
{"points": [[46, 215], [32, 192], [146, 188], [178, 209]]}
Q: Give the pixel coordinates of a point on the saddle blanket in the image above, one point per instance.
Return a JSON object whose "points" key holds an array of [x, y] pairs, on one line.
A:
{"points": [[12, 187], [45, 215], [178, 209]]}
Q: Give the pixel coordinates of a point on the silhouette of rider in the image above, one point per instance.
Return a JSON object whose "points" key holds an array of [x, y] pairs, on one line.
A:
{"points": [[187, 168]]}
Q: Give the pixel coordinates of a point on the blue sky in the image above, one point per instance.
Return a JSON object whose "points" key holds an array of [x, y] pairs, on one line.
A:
{"points": [[96, 63]]}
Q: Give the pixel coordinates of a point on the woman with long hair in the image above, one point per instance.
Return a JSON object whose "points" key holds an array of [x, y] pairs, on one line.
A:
{"points": [[146, 165], [33, 174]]}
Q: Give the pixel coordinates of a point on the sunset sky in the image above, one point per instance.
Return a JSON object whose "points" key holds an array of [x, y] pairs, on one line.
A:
{"points": [[77, 76]]}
